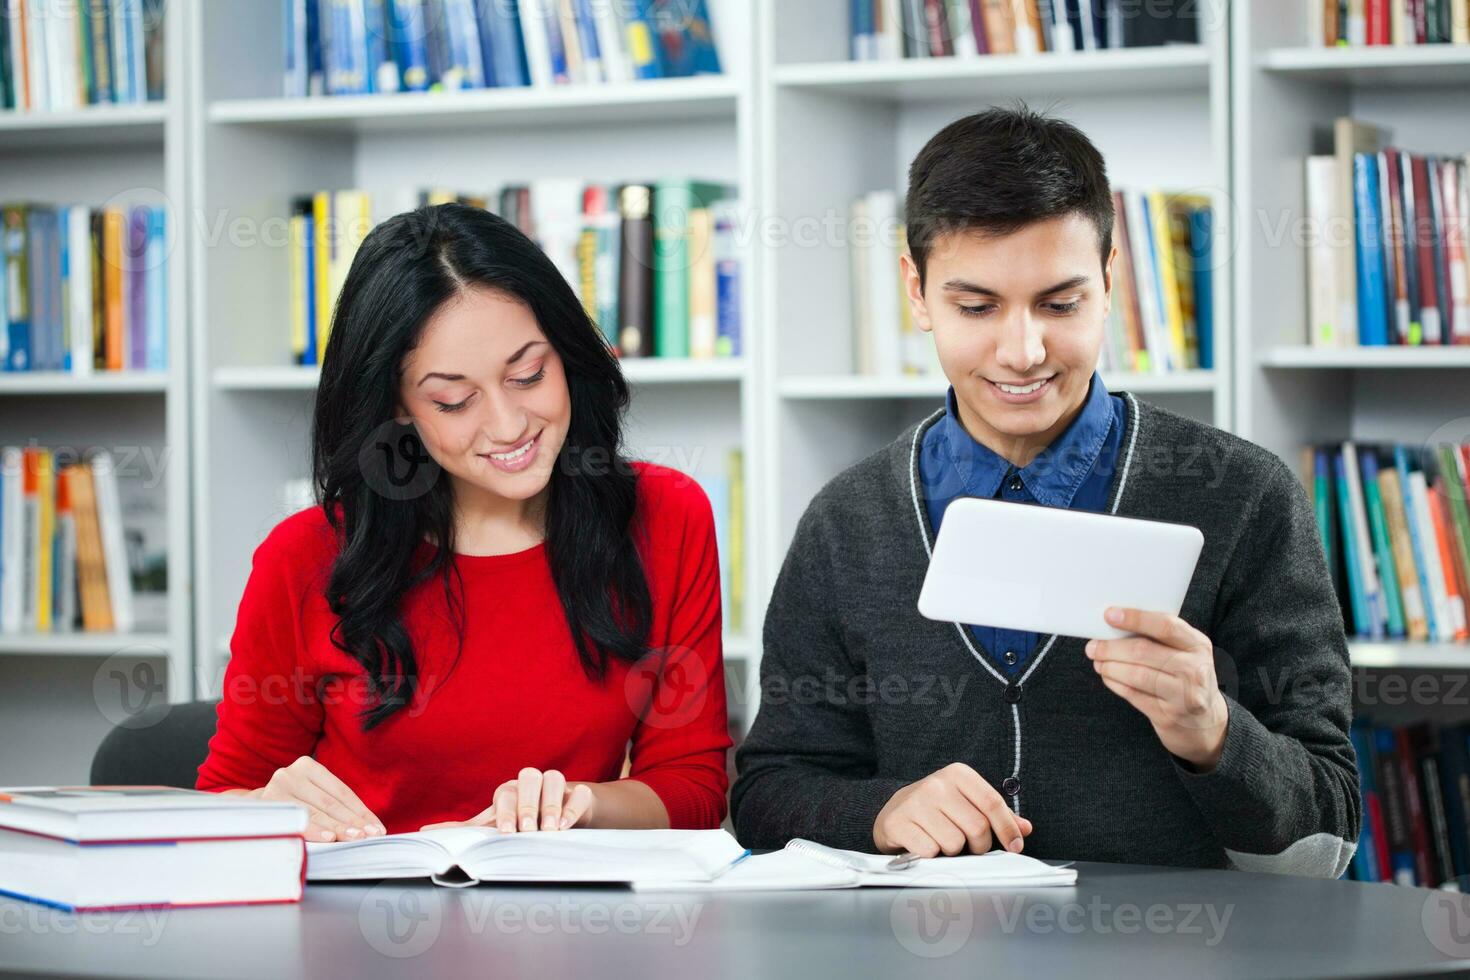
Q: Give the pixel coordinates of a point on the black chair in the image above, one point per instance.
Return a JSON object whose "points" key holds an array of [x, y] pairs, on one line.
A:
{"points": [[160, 746]]}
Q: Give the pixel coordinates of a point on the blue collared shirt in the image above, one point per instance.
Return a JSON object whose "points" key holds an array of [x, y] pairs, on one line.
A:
{"points": [[1075, 471]]}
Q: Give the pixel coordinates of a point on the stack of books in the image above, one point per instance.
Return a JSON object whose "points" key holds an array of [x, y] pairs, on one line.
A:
{"points": [[60, 56], [358, 47], [92, 848], [1387, 261], [1415, 785], [1361, 23], [882, 30], [83, 289], [64, 560], [655, 265], [1395, 525], [1162, 314]]}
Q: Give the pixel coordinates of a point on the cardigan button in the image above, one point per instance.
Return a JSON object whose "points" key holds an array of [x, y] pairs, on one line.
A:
{"points": [[1010, 785], [1010, 658], [1013, 693]]}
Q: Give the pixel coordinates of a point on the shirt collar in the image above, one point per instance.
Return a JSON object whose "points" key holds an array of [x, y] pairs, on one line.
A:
{"points": [[1055, 475]]}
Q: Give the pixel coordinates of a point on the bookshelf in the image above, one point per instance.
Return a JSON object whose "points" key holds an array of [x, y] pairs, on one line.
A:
{"points": [[253, 151], [115, 156], [1160, 116], [1288, 393]]}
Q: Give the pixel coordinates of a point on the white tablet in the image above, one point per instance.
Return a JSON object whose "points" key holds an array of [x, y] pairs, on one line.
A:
{"points": [[1049, 570]]}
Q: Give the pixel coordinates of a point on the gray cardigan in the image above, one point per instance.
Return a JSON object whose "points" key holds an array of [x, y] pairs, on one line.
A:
{"points": [[861, 695]]}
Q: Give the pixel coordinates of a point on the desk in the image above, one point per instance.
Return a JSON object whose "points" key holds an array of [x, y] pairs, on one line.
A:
{"points": [[1120, 920]]}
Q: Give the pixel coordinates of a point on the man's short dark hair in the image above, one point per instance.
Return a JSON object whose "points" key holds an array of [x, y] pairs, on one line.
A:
{"points": [[1000, 170]]}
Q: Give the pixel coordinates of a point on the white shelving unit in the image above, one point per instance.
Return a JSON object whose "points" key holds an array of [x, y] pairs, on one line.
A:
{"points": [[114, 155], [253, 152], [1289, 394]]}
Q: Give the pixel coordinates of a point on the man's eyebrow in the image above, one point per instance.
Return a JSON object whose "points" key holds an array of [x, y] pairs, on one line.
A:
{"points": [[966, 286]]}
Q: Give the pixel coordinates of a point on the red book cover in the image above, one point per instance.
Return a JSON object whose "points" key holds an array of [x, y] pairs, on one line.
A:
{"points": [[1379, 831], [1424, 245], [1414, 798], [1400, 299], [1378, 30]]}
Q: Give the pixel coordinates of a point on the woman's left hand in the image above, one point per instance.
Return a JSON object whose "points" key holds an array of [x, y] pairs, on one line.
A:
{"points": [[1167, 671], [533, 800]]}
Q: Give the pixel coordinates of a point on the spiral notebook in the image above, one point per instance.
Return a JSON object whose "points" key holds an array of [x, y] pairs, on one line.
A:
{"points": [[805, 864]]}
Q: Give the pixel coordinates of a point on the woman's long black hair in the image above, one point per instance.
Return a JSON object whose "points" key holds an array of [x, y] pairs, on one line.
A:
{"points": [[404, 271]]}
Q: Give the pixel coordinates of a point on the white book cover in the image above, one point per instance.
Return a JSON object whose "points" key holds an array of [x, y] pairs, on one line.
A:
{"points": [[1027, 41], [556, 214], [61, 54], [961, 30], [1357, 24], [1455, 227], [605, 17], [533, 15], [1146, 281], [79, 268], [571, 38], [890, 38], [114, 544], [1445, 621], [883, 285], [1061, 29], [35, 42], [1321, 176], [12, 541]]}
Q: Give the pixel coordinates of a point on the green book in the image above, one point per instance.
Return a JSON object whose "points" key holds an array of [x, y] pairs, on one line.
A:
{"points": [[1382, 548], [673, 200], [1455, 490]]}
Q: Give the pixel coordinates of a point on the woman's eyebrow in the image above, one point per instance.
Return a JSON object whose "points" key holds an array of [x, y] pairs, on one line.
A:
{"points": [[521, 353], [442, 375]]}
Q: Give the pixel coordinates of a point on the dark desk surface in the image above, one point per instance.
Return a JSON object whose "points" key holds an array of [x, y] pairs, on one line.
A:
{"points": [[1119, 921]]}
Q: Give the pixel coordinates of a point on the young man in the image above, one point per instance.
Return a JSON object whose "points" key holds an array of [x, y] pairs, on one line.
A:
{"points": [[912, 735]]}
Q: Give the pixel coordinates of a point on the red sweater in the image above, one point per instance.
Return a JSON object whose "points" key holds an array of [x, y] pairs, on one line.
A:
{"points": [[516, 696]]}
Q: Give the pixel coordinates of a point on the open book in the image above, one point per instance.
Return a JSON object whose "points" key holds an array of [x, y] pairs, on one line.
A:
{"points": [[805, 864], [458, 856]]}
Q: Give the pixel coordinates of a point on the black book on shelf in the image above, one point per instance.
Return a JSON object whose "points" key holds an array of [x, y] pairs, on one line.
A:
{"points": [[635, 272], [1161, 22]]}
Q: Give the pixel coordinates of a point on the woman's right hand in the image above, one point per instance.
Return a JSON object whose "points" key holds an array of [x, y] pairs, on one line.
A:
{"points": [[336, 812]]}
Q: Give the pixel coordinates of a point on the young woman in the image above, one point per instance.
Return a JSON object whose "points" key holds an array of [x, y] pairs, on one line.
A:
{"points": [[492, 608]]}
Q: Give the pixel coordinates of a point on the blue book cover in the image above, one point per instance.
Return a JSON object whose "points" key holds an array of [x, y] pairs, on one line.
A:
{"points": [[38, 241], [560, 71], [345, 23], [464, 42], [1417, 539], [727, 288], [408, 31], [18, 320], [643, 45], [1362, 622], [155, 252], [587, 36], [1372, 290], [315, 70], [1201, 251], [860, 17], [1166, 355], [1385, 744], [63, 276], [382, 61], [308, 354], [293, 41], [501, 42], [1365, 858]]}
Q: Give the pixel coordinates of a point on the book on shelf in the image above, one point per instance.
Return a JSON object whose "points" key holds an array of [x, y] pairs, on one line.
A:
{"points": [[883, 30], [58, 57], [79, 549], [1381, 23], [361, 47], [1414, 780], [1162, 313], [1395, 528], [87, 848], [725, 489], [657, 266], [83, 290], [1388, 255]]}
